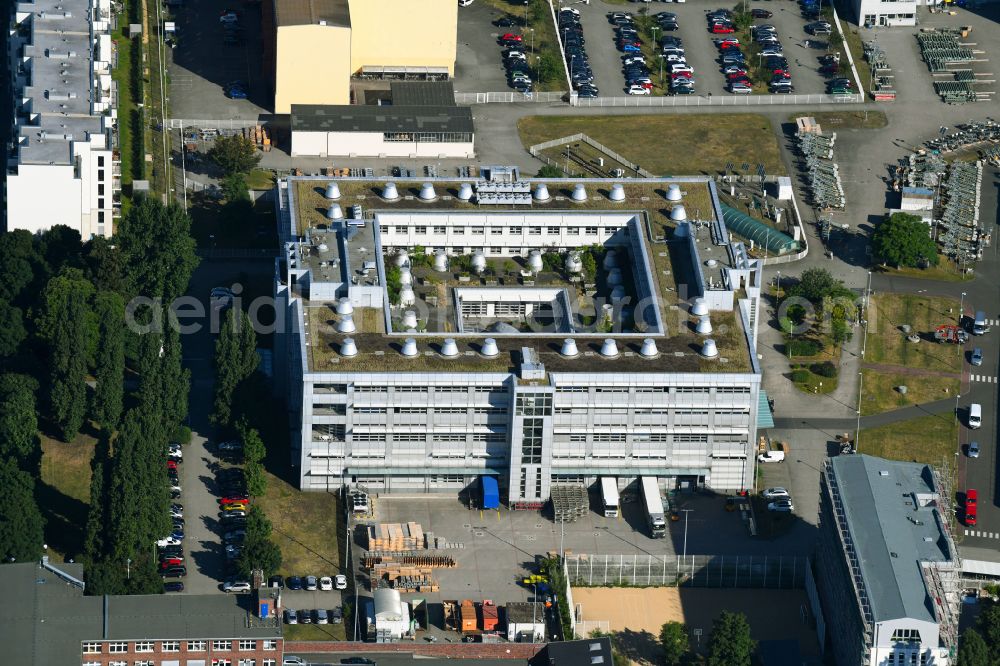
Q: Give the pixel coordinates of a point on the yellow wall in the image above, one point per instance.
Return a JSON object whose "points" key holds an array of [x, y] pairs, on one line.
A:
{"points": [[313, 66], [405, 33]]}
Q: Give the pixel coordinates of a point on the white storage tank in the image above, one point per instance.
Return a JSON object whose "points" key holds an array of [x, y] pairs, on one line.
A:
{"points": [[535, 262]]}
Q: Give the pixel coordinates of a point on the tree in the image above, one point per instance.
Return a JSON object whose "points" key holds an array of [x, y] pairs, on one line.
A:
{"points": [[674, 641], [17, 268], [815, 284], [234, 188], [175, 382], [12, 331], [972, 649], [234, 154], [989, 625], [157, 250], [834, 41], [109, 392], [21, 523], [259, 552], [235, 361], [730, 643], [549, 171], [904, 240], [94, 544], [550, 67], [105, 265], [18, 419], [66, 325]]}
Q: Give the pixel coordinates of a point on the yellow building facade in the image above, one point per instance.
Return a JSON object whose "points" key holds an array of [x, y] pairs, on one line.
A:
{"points": [[315, 46]]}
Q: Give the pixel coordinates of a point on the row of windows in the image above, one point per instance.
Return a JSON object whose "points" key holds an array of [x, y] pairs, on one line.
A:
{"points": [[500, 231], [117, 647], [427, 389], [655, 389]]}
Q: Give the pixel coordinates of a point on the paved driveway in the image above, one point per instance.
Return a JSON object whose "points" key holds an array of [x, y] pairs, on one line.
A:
{"points": [[479, 65]]}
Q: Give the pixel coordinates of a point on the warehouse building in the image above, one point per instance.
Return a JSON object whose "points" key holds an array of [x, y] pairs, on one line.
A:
{"points": [[52, 622], [416, 120], [62, 169], [889, 567], [535, 332], [312, 48], [887, 13]]}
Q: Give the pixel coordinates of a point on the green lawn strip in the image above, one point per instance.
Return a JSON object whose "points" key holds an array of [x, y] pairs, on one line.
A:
{"points": [[545, 43], [670, 144], [888, 344], [832, 121], [945, 271], [880, 389], [307, 527], [928, 439], [64, 494], [159, 181], [260, 179], [126, 106], [852, 40]]}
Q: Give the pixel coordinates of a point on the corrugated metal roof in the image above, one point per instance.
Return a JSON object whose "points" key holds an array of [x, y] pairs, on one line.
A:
{"points": [[348, 118], [422, 93], [312, 12]]}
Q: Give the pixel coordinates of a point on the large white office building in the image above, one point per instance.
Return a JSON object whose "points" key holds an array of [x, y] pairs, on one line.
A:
{"points": [[62, 168], [881, 13], [536, 332]]}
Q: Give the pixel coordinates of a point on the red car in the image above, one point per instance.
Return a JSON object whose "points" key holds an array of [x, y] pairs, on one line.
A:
{"points": [[680, 75], [722, 29], [510, 37], [234, 502], [725, 42], [171, 464], [171, 562], [235, 499], [736, 76], [971, 497]]}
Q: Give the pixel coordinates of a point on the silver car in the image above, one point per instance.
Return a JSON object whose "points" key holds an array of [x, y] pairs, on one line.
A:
{"points": [[973, 450], [977, 356]]}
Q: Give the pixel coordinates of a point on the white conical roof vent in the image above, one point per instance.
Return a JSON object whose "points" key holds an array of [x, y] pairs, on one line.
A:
{"points": [[678, 213], [332, 192], [617, 192], [535, 262], [406, 296], [402, 258], [618, 293], [569, 349], [348, 348], [648, 348], [344, 306], [610, 259], [440, 262], [489, 348], [609, 349], [674, 193], [478, 261], [573, 263], [389, 192], [427, 192], [322, 247], [405, 276], [346, 324], [699, 308], [410, 348], [334, 212], [464, 192], [409, 319], [704, 326], [579, 193], [449, 348], [614, 277], [541, 192], [708, 348]]}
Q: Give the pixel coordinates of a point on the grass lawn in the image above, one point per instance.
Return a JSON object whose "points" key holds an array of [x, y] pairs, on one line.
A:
{"points": [[307, 527], [928, 439], [946, 271], [670, 144], [159, 108], [314, 632], [879, 392], [260, 179], [126, 106], [816, 384], [852, 40], [887, 344], [831, 121], [64, 494]]}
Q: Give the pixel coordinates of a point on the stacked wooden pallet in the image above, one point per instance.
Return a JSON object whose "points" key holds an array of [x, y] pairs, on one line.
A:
{"points": [[374, 560], [395, 537]]}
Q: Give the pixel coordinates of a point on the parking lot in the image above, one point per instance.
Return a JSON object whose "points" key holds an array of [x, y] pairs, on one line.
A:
{"points": [[478, 65], [700, 51], [201, 64]]}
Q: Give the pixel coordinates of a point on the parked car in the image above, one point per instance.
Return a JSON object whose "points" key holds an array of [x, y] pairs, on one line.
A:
{"points": [[311, 583], [637, 90], [276, 581], [973, 450], [337, 615], [326, 583], [320, 616], [291, 617], [760, 13], [341, 582], [168, 541], [173, 586], [236, 91], [293, 583], [174, 572], [775, 493], [971, 506], [977, 356], [819, 28], [722, 29], [305, 616], [781, 506], [236, 586]]}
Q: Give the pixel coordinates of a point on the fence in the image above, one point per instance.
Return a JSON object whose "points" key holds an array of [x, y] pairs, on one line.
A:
{"points": [[742, 571], [218, 123], [716, 100], [510, 97], [536, 151]]}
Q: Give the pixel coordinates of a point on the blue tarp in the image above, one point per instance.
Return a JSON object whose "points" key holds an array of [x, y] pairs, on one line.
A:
{"points": [[491, 493]]}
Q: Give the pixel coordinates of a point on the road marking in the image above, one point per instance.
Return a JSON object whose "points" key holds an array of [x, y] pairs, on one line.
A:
{"points": [[983, 378], [982, 535]]}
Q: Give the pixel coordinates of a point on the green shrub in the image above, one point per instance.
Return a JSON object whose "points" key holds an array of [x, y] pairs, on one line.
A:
{"points": [[804, 347], [182, 435], [824, 369], [800, 375]]}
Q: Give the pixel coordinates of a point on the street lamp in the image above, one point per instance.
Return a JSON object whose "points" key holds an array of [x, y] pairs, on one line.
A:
{"points": [[686, 512], [857, 429], [961, 310], [868, 294]]}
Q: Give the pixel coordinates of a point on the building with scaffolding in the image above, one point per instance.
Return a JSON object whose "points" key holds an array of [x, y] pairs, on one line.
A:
{"points": [[889, 566]]}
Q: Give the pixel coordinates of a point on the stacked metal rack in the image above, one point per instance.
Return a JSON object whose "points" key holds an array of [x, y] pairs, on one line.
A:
{"points": [[959, 232], [883, 89], [569, 501], [816, 151], [966, 136], [941, 48]]}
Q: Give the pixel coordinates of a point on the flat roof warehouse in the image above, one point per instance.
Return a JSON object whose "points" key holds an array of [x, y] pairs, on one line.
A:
{"points": [[438, 119]]}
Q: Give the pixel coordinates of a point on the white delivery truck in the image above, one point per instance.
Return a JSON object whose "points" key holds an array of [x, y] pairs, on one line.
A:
{"points": [[654, 506], [609, 496]]}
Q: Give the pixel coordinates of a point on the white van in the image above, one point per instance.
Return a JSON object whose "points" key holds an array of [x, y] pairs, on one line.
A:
{"points": [[975, 415]]}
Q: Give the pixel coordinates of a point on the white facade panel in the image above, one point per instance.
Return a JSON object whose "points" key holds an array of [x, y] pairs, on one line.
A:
{"points": [[372, 144]]}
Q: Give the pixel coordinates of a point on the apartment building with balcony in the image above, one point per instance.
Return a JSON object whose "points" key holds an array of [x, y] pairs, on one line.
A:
{"points": [[62, 165], [433, 332]]}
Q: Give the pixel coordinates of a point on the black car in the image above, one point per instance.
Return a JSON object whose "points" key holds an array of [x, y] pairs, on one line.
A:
{"points": [[173, 586], [293, 583], [305, 616], [587, 93], [357, 660], [276, 581], [760, 13], [505, 22], [177, 571]]}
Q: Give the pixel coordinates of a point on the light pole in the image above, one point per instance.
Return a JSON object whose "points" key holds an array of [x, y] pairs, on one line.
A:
{"points": [[128, 568], [868, 294], [961, 311], [686, 512], [526, 13], [857, 429]]}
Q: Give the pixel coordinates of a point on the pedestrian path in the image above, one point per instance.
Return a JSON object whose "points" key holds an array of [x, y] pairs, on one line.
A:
{"points": [[982, 535], [987, 379]]}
